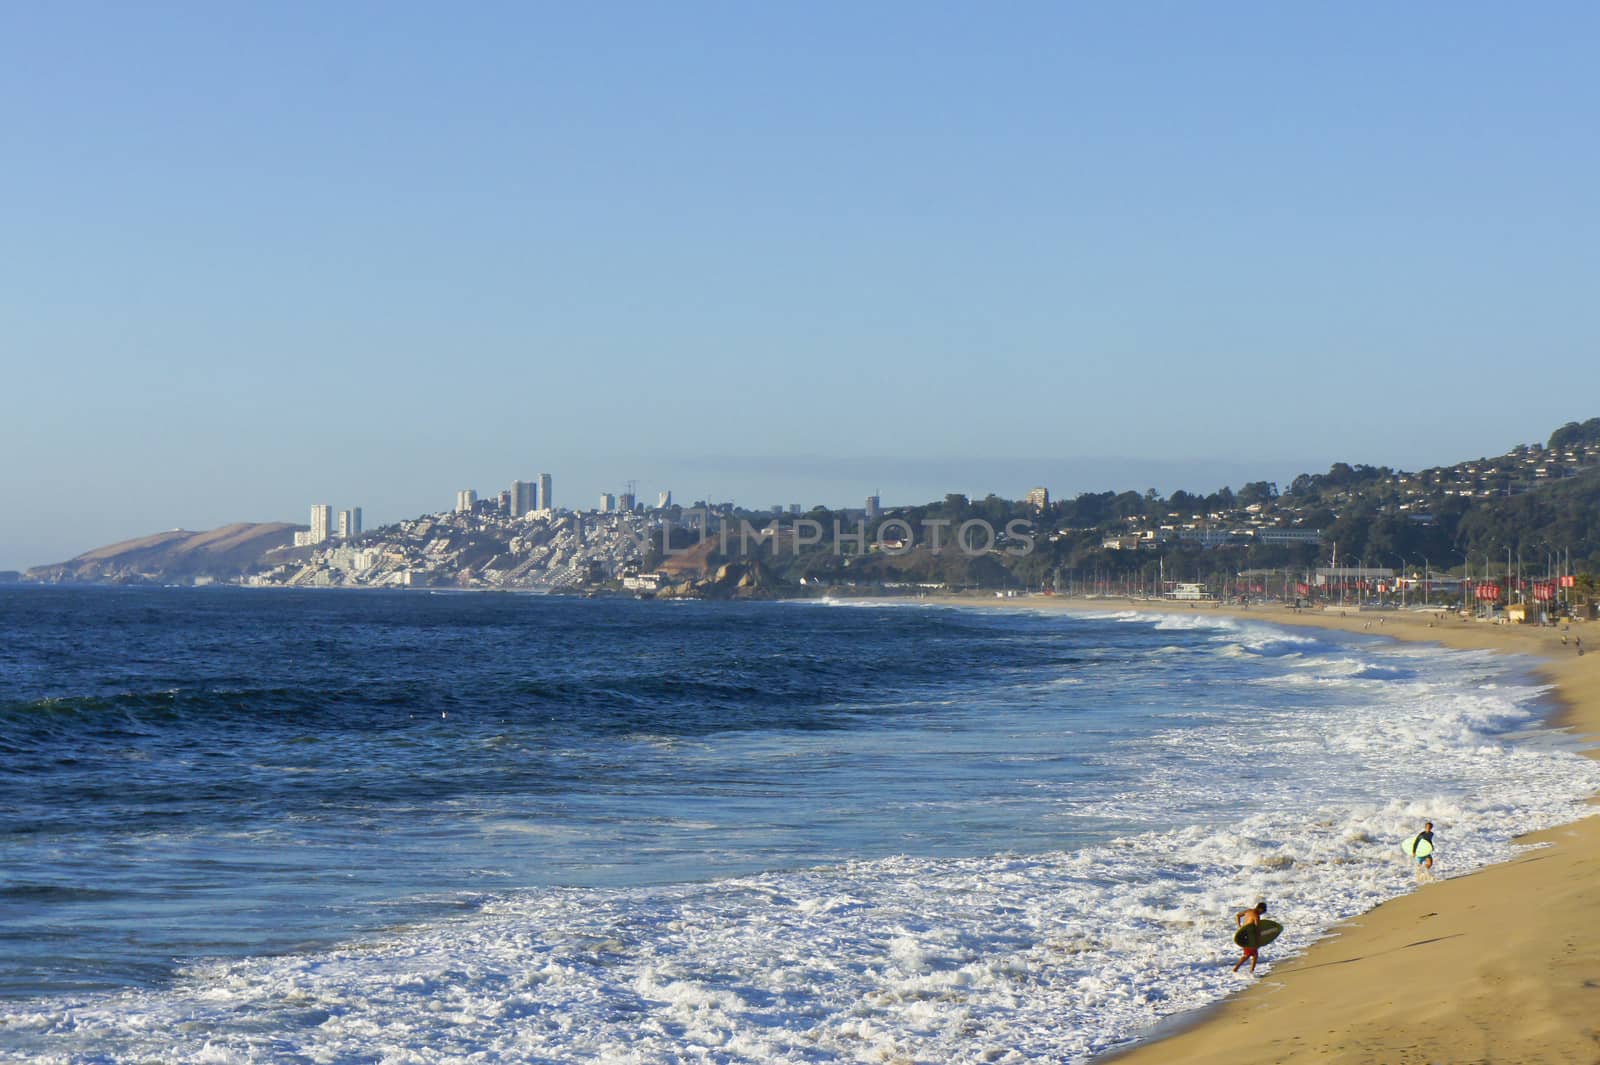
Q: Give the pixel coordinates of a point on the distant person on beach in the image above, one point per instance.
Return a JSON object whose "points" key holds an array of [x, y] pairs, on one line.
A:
{"points": [[1424, 862], [1249, 917]]}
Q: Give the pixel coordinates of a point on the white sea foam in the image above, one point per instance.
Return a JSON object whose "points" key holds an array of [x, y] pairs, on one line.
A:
{"points": [[1001, 957]]}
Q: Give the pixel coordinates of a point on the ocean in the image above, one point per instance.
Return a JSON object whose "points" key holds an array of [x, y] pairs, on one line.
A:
{"points": [[301, 826]]}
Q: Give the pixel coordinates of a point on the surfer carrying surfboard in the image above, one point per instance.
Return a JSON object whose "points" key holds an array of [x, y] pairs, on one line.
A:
{"points": [[1249, 941], [1423, 855]]}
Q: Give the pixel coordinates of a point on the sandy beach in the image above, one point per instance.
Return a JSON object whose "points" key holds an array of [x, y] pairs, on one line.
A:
{"points": [[1502, 965]]}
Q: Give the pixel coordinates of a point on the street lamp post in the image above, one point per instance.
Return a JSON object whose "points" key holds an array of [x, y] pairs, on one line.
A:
{"points": [[1488, 570]]}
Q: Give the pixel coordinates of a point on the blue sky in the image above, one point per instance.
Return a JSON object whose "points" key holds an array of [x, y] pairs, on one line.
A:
{"points": [[257, 258]]}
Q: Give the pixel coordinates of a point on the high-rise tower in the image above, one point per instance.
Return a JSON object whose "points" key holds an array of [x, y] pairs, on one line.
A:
{"points": [[522, 498], [321, 522]]}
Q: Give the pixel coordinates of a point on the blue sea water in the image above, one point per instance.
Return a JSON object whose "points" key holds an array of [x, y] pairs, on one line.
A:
{"points": [[313, 826]]}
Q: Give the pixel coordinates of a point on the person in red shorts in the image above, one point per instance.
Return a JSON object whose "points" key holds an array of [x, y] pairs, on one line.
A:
{"points": [[1242, 918]]}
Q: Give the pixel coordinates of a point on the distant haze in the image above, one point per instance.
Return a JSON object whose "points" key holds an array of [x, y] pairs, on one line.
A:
{"points": [[264, 257], [751, 480]]}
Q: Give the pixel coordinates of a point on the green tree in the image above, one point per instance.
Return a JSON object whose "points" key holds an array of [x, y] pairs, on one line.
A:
{"points": [[1262, 492]]}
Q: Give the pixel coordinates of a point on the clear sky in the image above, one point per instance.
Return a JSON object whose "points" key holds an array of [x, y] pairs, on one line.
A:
{"points": [[254, 257]]}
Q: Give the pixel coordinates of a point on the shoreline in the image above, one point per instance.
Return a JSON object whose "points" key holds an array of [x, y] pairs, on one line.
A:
{"points": [[1458, 970]]}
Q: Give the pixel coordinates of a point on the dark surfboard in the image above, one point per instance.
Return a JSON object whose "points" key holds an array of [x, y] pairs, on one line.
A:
{"points": [[1259, 934]]}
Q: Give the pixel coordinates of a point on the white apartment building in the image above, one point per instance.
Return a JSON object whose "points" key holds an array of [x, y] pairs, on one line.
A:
{"points": [[321, 522], [350, 523]]}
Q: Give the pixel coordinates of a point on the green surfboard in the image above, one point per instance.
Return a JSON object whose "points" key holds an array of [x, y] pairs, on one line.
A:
{"points": [[1257, 935], [1417, 848]]}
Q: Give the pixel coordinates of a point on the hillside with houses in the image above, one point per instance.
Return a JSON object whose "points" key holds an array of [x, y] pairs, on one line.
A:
{"points": [[1525, 514]]}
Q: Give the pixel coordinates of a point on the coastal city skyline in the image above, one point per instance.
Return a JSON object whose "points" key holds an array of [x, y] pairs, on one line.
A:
{"points": [[975, 477], [324, 522], [1507, 527]]}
